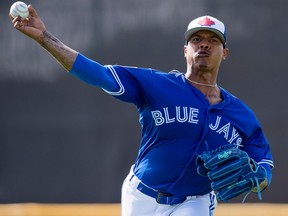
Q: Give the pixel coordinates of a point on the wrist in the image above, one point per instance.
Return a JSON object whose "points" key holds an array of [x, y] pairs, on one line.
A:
{"points": [[43, 37]]}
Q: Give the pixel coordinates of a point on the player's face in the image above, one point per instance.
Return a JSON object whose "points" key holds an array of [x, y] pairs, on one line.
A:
{"points": [[204, 51]]}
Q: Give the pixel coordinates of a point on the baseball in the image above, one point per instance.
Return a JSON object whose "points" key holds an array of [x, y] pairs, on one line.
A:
{"points": [[19, 9]]}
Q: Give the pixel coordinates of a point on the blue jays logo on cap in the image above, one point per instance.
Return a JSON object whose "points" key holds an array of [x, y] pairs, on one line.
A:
{"points": [[206, 23]]}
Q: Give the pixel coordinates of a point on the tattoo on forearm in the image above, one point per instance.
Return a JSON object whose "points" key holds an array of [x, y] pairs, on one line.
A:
{"points": [[63, 54]]}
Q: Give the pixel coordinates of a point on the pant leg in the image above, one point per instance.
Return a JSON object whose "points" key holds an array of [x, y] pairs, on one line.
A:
{"points": [[134, 202], [200, 206]]}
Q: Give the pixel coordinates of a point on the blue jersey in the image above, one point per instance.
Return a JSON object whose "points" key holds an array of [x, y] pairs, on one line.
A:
{"points": [[178, 123]]}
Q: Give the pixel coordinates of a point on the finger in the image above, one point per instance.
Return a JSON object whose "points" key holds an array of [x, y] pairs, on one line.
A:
{"points": [[32, 11], [15, 19], [12, 17], [18, 25]]}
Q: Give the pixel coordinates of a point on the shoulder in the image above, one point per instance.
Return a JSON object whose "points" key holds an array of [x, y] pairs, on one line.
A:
{"points": [[235, 102], [175, 73], [129, 69], [147, 72], [241, 113]]}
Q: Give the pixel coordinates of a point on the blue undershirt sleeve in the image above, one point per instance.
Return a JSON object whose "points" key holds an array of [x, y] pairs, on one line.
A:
{"points": [[93, 73]]}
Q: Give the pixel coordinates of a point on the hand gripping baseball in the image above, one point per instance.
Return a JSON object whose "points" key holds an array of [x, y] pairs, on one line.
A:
{"points": [[32, 26], [231, 171]]}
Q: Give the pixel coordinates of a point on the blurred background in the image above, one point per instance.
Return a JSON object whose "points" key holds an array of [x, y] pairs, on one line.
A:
{"points": [[63, 141]]}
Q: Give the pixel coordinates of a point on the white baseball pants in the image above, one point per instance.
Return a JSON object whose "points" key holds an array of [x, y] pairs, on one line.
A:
{"points": [[136, 203]]}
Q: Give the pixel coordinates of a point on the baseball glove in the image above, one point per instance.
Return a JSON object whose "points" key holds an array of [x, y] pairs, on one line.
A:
{"points": [[231, 171]]}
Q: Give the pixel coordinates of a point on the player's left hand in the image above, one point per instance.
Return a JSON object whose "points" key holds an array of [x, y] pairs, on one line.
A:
{"points": [[232, 172]]}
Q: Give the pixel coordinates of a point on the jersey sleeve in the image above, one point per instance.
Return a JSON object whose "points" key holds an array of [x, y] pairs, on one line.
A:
{"points": [[258, 148], [128, 84], [135, 83], [93, 73]]}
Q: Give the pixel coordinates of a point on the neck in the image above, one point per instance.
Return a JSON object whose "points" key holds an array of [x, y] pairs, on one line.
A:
{"points": [[202, 84]]}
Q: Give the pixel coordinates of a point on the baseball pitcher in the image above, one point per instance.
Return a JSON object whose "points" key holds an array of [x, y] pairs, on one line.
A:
{"points": [[199, 142]]}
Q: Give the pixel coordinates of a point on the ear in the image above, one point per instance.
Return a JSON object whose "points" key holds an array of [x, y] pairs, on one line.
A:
{"points": [[185, 50], [225, 53]]}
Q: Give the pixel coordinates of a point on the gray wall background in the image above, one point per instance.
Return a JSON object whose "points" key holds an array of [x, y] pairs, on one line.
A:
{"points": [[63, 141]]}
